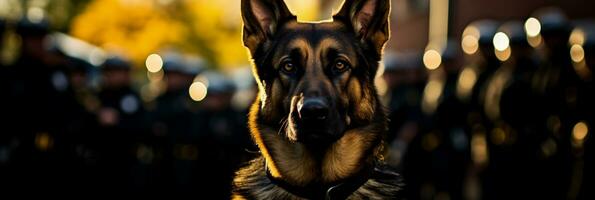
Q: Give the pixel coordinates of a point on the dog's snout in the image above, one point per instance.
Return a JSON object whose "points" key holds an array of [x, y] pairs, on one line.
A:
{"points": [[313, 109]]}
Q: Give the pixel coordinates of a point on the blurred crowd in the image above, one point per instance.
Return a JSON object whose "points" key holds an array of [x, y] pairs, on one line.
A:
{"points": [[504, 113], [70, 125]]}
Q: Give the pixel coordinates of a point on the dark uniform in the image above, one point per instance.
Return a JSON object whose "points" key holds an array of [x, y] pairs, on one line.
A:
{"points": [[405, 78], [79, 108], [437, 156], [583, 177], [225, 141], [175, 130], [555, 83], [120, 120], [37, 88], [509, 107]]}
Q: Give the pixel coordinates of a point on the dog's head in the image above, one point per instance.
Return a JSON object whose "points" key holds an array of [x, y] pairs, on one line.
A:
{"points": [[316, 79]]}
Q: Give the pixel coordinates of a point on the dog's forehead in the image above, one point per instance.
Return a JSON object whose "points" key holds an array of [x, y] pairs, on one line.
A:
{"points": [[314, 26], [315, 35]]}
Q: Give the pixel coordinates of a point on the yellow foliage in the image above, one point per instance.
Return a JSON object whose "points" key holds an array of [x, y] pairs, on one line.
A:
{"points": [[138, 28]]}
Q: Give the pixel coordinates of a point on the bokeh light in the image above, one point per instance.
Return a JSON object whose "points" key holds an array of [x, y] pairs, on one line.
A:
{"points": [[532, 27], [198, 91], [470, 44], [432, 59], [467, 80], [580, 131], [577, 53], [479, 149], [501, 41], [154, 63], [535, 41], [503, 55], [35, 14], [577, 37]]}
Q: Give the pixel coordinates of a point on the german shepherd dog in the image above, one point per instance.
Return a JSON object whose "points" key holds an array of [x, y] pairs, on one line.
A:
{"points": [[317, 120]]}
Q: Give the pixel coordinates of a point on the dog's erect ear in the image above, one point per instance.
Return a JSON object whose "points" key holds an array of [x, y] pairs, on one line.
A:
{"points": [[261, 20], [369, 19]]}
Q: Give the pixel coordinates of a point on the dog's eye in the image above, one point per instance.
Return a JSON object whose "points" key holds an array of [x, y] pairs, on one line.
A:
{"points": [[288, 67], [341, 66]]}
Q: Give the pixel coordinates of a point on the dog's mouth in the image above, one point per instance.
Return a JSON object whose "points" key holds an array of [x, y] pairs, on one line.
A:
{"points": [[315, 122]]}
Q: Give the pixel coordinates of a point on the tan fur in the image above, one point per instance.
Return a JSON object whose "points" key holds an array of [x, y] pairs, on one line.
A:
{"points": [[345, 157], [293, 162], [271, 102], [364, 109], [292, 159]]}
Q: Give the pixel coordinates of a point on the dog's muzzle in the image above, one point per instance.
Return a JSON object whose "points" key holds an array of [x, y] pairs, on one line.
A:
{"points": [[313, 110], [316, 121]]}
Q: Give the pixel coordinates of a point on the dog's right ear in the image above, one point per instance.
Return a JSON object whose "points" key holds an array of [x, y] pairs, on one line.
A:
{"points": [[261, 20]]}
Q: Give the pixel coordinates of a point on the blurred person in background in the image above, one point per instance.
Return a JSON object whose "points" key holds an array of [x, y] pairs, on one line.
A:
{"points": [[175, 128], [513, 140], [225, 138], [79, 108], [582, 42], [405, 77], [120, 118], [37, 87], [437, 156], [555, 84], [480, 64]]}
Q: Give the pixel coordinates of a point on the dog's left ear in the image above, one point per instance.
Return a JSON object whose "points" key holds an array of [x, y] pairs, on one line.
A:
{"points": [[369, 19], [261, 20]]}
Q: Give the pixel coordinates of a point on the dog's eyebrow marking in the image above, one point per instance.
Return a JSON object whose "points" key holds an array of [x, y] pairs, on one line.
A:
{"points": [[300, 44], [327, 44]]}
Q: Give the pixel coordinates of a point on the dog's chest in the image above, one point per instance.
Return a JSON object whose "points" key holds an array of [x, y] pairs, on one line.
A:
{"points": [[252, 182]]}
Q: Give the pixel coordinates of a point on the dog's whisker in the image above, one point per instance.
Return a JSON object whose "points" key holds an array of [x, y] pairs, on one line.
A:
{"points": [[283, 126]]}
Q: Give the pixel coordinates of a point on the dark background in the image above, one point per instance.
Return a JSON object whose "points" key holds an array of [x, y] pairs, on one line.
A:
{"points": [[150, 97]]}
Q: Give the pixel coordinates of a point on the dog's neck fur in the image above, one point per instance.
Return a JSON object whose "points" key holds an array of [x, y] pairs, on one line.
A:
{"points": [[252, 182], [298, 166]]}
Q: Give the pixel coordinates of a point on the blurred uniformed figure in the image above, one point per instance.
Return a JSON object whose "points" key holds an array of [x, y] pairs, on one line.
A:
{"points": [[120, 120], [555, 83], [582, 51], [513, 140], [174, 127], [29, 79], [79, 108], [480, 63], [437, 157], [226, 136], [405, 78], [37, 82]]}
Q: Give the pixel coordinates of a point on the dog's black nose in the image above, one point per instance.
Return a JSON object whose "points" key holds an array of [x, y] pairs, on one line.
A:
{"points": [[313, 109]]}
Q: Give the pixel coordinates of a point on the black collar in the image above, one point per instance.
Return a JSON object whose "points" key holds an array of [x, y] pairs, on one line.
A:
{"points": [[335, 191]]}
